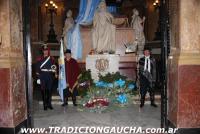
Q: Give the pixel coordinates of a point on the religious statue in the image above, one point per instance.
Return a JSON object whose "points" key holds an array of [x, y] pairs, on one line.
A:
{"points": [[103, 33], [69, 23], [137, 24]]}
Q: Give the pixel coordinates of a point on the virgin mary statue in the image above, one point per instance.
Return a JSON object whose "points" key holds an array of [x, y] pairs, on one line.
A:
{"points": [[137, 24], [69, 23], [103, 33]]}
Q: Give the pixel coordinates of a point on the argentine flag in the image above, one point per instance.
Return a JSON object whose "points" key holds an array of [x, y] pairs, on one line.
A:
{"points": [[85, 17], [62, 77]]}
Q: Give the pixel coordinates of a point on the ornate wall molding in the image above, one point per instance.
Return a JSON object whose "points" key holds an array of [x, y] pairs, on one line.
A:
{"points": [[189, 59], [8, 62], [181, 57]]}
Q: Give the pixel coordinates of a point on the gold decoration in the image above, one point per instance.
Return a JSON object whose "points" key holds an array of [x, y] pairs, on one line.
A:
{"points": [[102, 64]]}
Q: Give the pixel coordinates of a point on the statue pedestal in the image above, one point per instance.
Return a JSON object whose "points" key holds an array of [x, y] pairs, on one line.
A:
{"points": [[123, 36], [102, 64]]}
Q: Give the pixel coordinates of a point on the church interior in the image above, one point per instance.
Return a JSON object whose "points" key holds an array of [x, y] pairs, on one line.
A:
{"points": [[170, 29]]}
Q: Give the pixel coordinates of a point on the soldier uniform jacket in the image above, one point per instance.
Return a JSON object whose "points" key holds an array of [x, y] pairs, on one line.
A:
{"points": [[47, 65]]}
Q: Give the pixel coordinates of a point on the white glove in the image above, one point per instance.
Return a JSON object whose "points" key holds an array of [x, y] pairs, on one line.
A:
{"points": [[38, 81]]}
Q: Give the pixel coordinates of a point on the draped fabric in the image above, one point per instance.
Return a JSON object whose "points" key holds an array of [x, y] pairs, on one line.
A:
{"points": [[82, 8], [62, 77], [86, 13]]}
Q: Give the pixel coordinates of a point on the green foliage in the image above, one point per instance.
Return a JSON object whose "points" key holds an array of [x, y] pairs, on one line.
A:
{"points": [[129, 82], [111, 77], [85, 77], [110, 93], [92, 91], [82, 92], [85, 80]]}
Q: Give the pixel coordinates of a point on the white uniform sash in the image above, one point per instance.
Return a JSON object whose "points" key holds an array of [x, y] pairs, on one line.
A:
{"points": [[45, 62]]}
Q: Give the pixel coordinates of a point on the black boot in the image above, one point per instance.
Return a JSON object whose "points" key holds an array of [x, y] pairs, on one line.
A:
{"points": [[45, 107], [74, 100], [50, 107], [49, 99], [44, 98], [153, 104], [65, 98], [152, 98], [65, 103], [141, 105], [142, 102], [143, 91]]}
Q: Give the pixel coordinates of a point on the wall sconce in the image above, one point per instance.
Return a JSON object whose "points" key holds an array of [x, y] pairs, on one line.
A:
{"points": [[156, 3], [51, 8]]}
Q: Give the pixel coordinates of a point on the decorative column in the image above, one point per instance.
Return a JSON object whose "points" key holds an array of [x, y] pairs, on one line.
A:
{"points": [[13, 106], [184, 64]]}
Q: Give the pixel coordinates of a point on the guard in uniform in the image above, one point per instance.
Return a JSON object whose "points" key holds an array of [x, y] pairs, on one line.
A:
{"points": [[147, 77], [45, 70]]}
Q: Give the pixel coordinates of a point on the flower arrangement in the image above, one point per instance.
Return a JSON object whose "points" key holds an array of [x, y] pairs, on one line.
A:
{"points": [[97, 102], [111, 89], [85, 77], [84, 82]]}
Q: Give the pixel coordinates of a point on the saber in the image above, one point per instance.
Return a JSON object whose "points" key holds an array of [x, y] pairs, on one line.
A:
{"points": [[53, 67]]}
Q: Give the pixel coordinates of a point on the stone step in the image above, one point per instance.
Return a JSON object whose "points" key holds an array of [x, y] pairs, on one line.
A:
{"points": [[137, 97], [136, 100]]}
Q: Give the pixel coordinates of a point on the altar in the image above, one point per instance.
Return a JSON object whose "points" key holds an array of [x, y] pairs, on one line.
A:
{"points": [[123, 36], [102, 64], [127, 62], [124, 63]]}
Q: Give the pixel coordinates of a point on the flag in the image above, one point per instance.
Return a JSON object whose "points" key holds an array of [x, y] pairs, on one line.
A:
{"points": [[85, 17], [62, 77]]}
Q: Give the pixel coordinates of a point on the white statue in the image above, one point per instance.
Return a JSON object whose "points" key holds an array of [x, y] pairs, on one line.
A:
{"points": [[69, 23], [103, 33], [137, 24]]}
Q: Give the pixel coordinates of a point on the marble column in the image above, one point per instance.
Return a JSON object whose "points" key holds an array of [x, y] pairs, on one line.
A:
{"points": [[13, 109], [184, 64]]}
